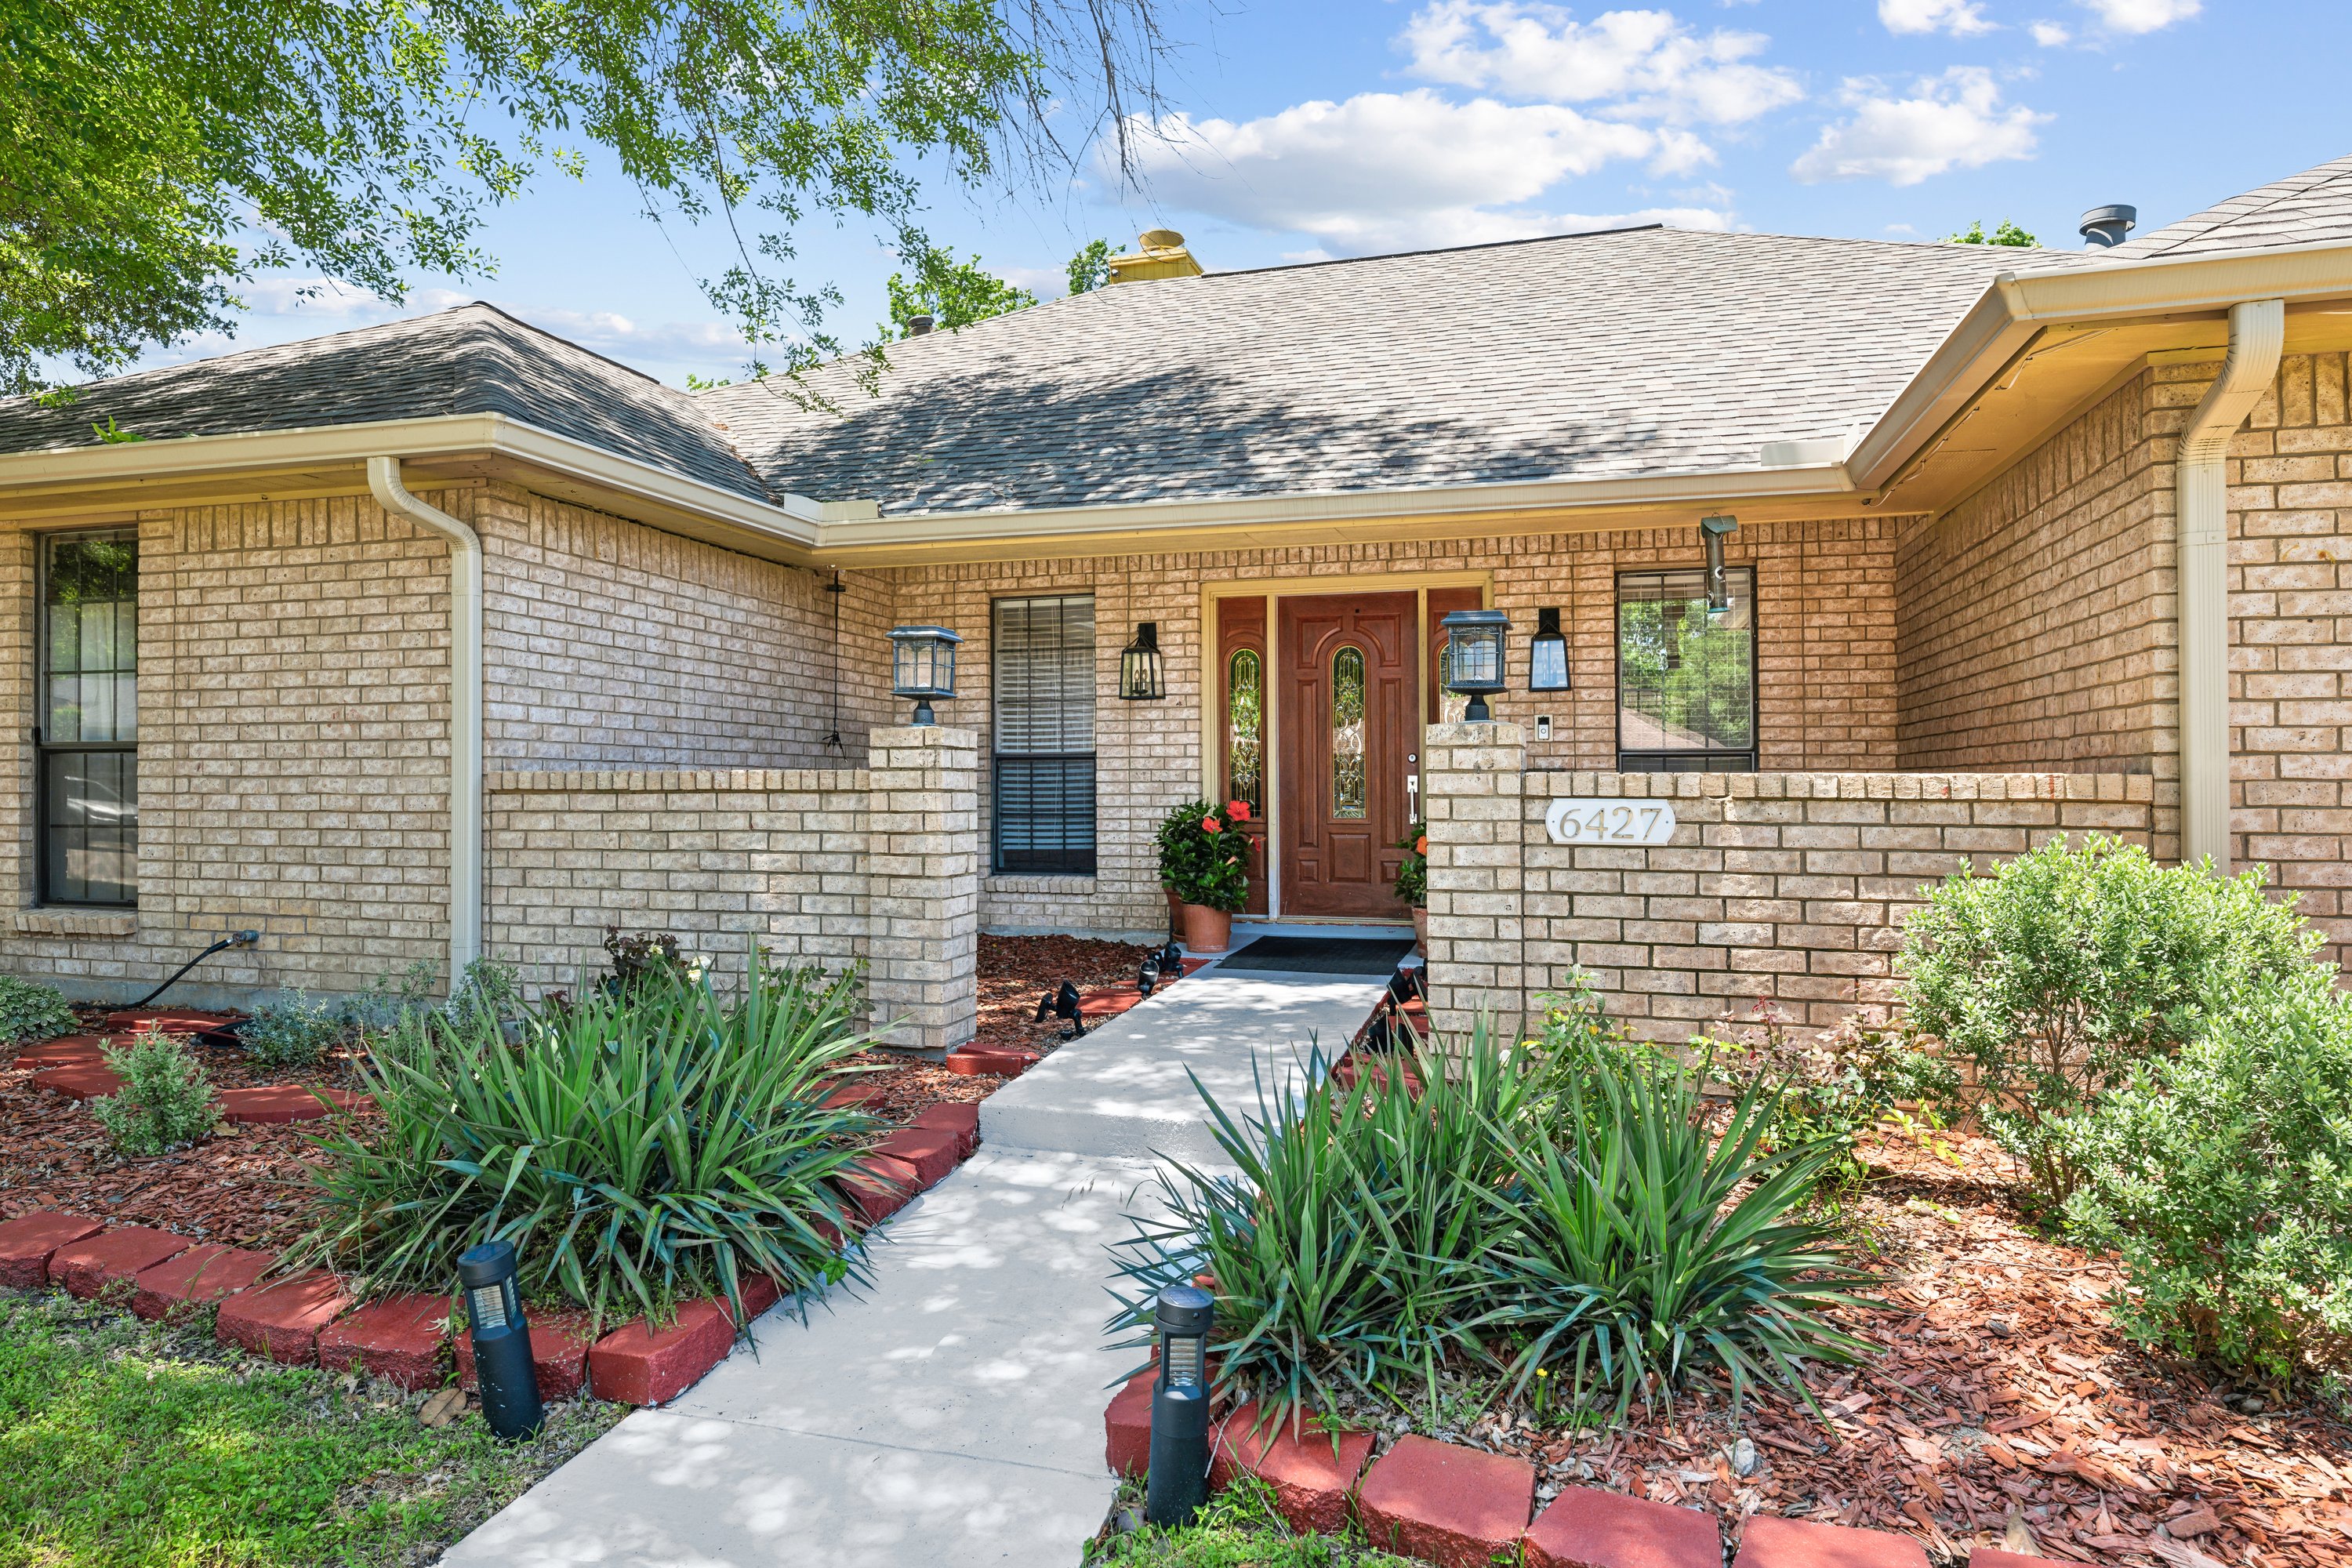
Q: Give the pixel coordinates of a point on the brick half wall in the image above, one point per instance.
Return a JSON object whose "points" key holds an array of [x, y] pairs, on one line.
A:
{"points": [[1788, 887]]}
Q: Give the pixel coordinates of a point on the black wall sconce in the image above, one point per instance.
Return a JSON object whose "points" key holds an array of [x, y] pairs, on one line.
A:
{"points": [[1713, 531], [1142, 677], [1548, 654]]}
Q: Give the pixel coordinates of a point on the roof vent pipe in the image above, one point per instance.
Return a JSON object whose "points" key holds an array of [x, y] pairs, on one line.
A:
{"points": [[2105, 226], [921, 326]]}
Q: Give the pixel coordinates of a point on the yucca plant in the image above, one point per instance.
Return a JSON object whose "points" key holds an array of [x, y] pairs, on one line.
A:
{"points": [[637, 1149], [1638, 1244]]}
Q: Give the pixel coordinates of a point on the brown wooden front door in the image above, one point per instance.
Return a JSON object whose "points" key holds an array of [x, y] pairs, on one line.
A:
{"points": [[1349, 716]]}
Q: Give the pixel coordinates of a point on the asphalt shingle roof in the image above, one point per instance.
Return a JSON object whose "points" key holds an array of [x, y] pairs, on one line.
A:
{"points": [[474, 359], [1591, 356], [2309, 208]]}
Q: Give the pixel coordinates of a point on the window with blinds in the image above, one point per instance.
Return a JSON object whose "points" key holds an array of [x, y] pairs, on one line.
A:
{"points": [[1042, 658]]}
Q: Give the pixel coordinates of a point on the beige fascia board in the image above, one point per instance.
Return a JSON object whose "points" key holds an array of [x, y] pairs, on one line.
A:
{"points": [[2016, 308]]}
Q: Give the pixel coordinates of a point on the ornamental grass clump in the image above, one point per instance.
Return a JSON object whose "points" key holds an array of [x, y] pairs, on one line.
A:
{"points": [[639, 1147], [166, 1102]]}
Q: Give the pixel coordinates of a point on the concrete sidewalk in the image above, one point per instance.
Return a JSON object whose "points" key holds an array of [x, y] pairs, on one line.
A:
{"points": [[950, 1414]]}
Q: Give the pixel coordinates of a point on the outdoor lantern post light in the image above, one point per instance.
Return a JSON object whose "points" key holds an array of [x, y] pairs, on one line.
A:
{"points": [[1142, 676], [922, 666], [501, 1340], [1473, 662], [1179, 1482], [1713, 531], [1548, 654]]}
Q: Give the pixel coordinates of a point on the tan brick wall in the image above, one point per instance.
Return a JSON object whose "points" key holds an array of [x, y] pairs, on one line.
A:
{"points": [[1785, 887], [1826, 690]]}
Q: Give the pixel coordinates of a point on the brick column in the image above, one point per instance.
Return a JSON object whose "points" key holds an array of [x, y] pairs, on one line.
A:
{"points": [[1477, 836], [923, 886]]}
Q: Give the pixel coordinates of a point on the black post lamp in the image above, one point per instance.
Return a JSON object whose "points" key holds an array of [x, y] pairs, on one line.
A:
{"points": [[1142, 676], [501, 1340], [1474, 664], [1548, 654], [1178, 1482], [922, 666], [1713, 531]]}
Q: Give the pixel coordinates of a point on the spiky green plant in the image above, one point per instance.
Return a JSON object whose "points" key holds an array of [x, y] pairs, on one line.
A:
{"points": [[637, 1149]]}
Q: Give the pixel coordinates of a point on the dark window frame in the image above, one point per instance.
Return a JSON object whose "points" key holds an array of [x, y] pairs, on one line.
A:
{"points": [[1070, 775], [47, 752], [1694, 759]]}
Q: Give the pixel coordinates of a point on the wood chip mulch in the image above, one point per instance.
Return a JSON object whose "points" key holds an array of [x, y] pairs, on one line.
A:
{"points": [[2001, 1394], [1014, 970]]}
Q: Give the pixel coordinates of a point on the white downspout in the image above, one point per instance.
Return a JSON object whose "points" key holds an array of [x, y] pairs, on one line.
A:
{"points": [[2201, 514], [465, 706]]}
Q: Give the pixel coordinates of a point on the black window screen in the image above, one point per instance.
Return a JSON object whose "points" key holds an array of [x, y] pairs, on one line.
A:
{"points": [[1042, 659], [87, 719], [1686, 674]]}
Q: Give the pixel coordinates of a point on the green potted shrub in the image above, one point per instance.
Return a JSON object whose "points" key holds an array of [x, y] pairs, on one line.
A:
{"points": [[1412, 881], [1204, 861]]}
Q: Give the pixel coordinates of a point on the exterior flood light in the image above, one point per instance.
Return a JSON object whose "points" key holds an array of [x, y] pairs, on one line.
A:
{"points": [[1548, 654], [1142, 676], [1179, 1482], [501, 1340], [1473, 661], [1713, 531], [922, 666]]}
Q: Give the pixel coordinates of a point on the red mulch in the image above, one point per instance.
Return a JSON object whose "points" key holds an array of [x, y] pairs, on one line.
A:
{"points": [[2000, 1389], [1014, 970]]}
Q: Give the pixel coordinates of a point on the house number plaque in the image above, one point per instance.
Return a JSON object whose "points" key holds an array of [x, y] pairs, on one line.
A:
{"points": [[1626, 822]]}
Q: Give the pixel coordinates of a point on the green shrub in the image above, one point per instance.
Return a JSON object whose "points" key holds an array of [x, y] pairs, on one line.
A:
{"points": [[30, 1011], [391, 1000], [1828, 1088], [492, 987], [1412, 870], [165, 1101], [637, 1148], [2222, 1175], [2055, 975], [1204, 853], [291, 1030]]}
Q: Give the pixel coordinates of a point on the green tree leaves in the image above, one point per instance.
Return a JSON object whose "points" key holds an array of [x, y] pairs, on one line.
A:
{"points": [[952, 293], [2007, 234]]}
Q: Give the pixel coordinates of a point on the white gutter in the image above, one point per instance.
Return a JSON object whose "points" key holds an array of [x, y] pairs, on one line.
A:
{"points": [[2200, 516], [465, 706]]}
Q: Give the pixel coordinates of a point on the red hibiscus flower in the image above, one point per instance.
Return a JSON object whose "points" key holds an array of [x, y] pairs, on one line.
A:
{"points": [[1238, 810], [1208, 824]]}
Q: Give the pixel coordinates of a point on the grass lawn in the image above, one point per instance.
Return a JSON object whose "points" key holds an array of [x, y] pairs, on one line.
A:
{"points": [[1237, 1529], [125, 1443]]}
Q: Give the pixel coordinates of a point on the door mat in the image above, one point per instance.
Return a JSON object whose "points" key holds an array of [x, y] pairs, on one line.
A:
{"points": [[1365, 955]]}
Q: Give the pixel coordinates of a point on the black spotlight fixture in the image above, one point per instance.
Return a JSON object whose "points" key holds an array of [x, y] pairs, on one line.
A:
{"points": [[1171, 963], [501, 1340], [1473, 661], [1179, 1482], [1062, 1004], [1142, 673], [1147, 978], [922, 667], [1713, 531], [1548, 654]]}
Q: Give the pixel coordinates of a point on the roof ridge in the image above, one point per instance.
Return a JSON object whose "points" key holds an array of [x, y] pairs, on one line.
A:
{"points": [[2228, 211]]}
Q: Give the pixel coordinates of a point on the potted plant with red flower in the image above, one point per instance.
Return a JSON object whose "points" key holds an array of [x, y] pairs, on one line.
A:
{"points": [[1204, 861], [1412, 881]]}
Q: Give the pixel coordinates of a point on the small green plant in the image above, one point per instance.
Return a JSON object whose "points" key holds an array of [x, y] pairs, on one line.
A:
{"points": [[291, 1030], [642, 958], [2057, 974], [30, 1011], [2223, 1175], [1412, 870], [492, 987], [1236, 1528], [165, 1101], [1829, 1087], [391, 1000], [1204, 853]]}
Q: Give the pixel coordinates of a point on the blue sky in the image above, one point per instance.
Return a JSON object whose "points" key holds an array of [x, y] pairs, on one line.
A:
{"points": [[1302, 128]]}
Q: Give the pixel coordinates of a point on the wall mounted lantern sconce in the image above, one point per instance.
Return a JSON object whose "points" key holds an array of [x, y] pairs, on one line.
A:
{"points": [[1548, 654], [1713, 531], [922, 666], [1142, 675], [1473, 662]]}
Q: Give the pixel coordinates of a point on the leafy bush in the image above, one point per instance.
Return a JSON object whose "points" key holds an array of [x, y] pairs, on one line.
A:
{"points": [[1532, 1208], [2065, 969], [291, 1031], [392, 1000], [492, 987], [1412, 870], [2222, 1175], [30, 1011], [1828, 1088], [1204, 853], [165, 1099], [637, 1149]]}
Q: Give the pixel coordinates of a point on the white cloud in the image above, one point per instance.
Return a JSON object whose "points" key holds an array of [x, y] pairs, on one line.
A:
{"points": [[2051, 36], [1953, 121], [1637, 64], [2142, 15], [1960, 19]]}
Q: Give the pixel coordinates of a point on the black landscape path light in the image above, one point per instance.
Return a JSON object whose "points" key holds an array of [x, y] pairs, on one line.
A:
{"points": [[1179, 1482], [922, 666], [1474, 657], [501, 1340]]}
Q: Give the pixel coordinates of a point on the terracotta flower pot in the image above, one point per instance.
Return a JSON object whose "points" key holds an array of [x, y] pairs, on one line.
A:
{"points": [[1206, 930], [1175, 915], [1420, 929]]}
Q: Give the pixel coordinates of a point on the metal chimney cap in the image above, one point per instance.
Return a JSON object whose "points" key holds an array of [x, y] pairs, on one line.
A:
{"points": [[916, 326], [2107, 225], [1160, 239]]}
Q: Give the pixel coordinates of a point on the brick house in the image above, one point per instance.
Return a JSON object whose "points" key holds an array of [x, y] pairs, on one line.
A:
{"points": [[447, 636]]}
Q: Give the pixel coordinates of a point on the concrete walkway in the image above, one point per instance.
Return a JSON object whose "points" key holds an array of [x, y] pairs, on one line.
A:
{"points": [[951, 1414]]}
